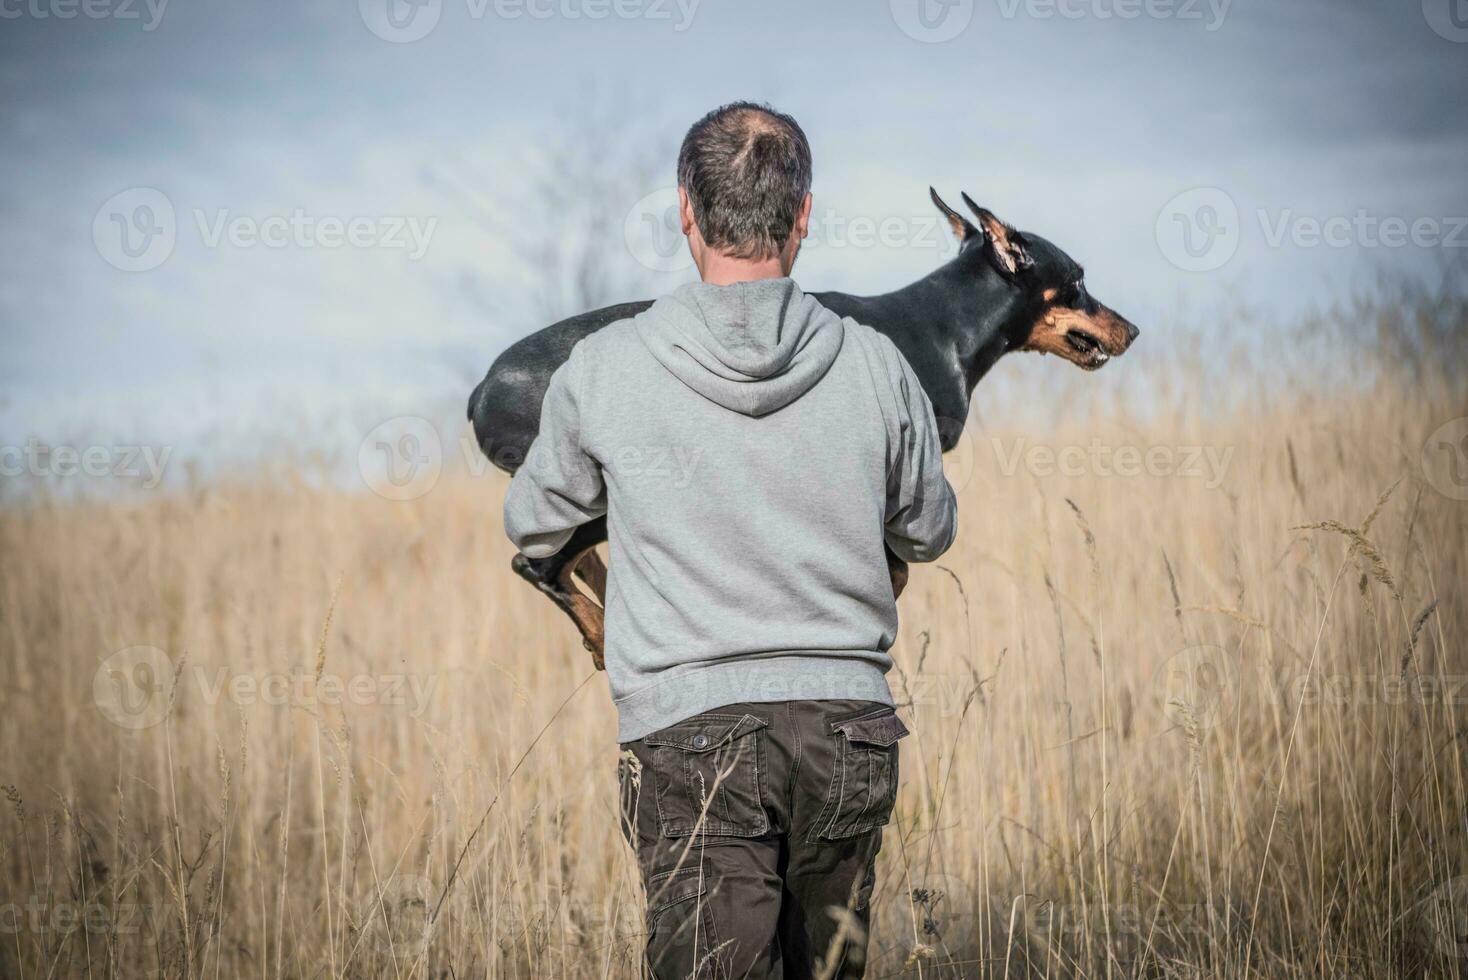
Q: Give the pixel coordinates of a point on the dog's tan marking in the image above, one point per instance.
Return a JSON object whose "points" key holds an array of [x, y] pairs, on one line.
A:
{"points": [[587, 615], [591, 570], [1106, 328]]}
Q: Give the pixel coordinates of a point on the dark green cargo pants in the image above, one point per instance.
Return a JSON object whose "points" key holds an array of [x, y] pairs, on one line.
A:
{"points": [[757, 828]]}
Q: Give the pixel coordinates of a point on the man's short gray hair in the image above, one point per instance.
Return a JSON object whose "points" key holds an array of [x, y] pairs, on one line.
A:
{"points": [[746, 169]]}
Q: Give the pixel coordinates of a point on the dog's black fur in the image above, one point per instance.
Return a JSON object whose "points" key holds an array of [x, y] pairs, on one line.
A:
{"points": [[1005, 291]]}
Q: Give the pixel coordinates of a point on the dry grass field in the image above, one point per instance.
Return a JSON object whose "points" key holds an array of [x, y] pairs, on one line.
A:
{"points": [[1189, 698]]}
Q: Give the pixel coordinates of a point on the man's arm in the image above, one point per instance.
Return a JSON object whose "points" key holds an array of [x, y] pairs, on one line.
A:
{"points": [[922, 515], [559, 487]]}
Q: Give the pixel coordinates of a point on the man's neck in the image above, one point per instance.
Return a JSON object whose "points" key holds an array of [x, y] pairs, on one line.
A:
{"points": [[724, 270]]}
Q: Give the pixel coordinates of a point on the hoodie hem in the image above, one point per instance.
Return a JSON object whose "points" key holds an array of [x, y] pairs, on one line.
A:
{"points": [[804, 676]]}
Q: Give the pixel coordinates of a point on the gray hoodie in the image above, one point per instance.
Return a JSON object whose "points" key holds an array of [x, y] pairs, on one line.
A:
{"points": [[753, 452]]}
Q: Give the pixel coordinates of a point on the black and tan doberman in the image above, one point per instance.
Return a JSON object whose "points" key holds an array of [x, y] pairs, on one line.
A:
{"points": [[1005, 291]]}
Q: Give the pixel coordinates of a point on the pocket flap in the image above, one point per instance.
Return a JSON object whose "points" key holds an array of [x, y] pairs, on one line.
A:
{"points": [[706, 732], [880, 729], [668, 890]]}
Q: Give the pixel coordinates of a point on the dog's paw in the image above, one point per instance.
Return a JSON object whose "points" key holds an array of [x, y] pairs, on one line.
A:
{"points": [[598, 656]]}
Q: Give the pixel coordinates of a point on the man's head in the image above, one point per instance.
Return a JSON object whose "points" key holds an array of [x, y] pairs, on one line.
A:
{"points": [[744, 191]]}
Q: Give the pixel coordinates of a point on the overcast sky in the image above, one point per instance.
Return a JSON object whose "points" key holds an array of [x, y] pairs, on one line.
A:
{"points": [[235, 218]]}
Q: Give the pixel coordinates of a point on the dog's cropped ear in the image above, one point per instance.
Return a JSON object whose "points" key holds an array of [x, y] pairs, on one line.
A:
{"points": [[1002, 242], [962, 229]]}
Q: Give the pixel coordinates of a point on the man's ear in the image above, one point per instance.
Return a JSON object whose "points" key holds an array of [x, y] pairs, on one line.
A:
{"points": [[1001, 243], [962, 229], [802, 218], [685, 212]]}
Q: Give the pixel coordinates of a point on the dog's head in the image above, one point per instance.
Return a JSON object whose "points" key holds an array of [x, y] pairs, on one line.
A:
{"points": [[1054, 312]]}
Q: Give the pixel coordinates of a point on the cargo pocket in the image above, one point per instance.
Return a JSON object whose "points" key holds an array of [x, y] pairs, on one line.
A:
{"points": [[864, 778], [680, 925], [707, 772]]}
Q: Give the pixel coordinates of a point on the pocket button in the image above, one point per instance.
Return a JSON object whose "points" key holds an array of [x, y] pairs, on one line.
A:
{"points": [[707, 771]]}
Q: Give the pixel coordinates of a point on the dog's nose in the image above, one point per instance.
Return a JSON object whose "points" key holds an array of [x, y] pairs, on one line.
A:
{"points": [[1131, 331]]}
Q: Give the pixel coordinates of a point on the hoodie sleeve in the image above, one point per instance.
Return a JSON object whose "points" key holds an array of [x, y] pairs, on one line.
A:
{"points": [[559, 486], [922, 515]]}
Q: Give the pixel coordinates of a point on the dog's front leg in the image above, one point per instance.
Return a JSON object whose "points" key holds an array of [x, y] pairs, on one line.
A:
{"points": [[589, 617], [553, 575]]}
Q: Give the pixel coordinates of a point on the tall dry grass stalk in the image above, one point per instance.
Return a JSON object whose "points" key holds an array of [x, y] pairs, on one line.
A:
{"points": [[1204, 721]]}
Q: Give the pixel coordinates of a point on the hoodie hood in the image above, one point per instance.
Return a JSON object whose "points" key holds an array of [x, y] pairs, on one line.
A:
{"points": [[750, 347]]}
